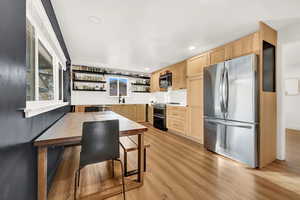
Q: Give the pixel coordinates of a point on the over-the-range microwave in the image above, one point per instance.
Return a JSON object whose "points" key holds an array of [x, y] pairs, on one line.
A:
{"points": [[165, 80]]}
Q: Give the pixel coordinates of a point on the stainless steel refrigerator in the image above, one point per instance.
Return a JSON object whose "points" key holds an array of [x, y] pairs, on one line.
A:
{"points": [[231, 109]]}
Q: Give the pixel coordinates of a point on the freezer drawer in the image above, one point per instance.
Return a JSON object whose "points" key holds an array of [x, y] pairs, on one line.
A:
{"points": [[237, 141]]}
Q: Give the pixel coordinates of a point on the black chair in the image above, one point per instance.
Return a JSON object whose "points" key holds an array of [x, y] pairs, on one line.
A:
{"points": [[100, 142]]}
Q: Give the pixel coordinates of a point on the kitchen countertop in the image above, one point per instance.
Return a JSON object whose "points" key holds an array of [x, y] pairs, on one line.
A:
{"points": [[110, 104], [177, 105]]}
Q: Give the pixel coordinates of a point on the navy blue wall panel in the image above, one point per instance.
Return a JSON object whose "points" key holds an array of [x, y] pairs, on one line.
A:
{"points": [[18, 165]]}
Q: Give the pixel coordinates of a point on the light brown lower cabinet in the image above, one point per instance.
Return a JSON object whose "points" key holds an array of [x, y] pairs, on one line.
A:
{"points": [[141, 113], [195, 108], [176, 119], [79, 108], [195, 123], [150, 114], [135, 112]]}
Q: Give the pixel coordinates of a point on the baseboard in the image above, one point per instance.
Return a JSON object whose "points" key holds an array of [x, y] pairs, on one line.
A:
{"points": [[184, 136]]}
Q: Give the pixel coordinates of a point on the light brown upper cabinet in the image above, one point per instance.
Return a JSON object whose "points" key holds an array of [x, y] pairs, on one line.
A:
{"points": [[154, 82], [195, 65], [178, 71], [217, 55], [195, 108], [246, 45], [220, 54], [178, 75]]}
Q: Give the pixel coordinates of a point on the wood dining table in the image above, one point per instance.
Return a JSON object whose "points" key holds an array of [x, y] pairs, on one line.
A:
{"points": [[68, 131]]}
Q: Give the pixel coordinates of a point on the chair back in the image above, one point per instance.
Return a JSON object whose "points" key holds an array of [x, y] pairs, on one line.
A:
{"points": [[100, 142]]}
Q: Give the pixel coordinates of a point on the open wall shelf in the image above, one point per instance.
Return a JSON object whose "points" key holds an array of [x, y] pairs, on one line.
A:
{"points": [[114, 74], [141, 91], [89, 90], [142, 84], [89, 81]]}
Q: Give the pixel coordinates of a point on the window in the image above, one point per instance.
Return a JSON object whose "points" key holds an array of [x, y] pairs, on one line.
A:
{"points": [[30, 62], [45, 63], [123, 87], [44, 72], [118, 86]]}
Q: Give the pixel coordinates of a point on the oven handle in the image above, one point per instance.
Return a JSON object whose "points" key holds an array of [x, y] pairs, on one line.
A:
{"points": [[161, 117]]}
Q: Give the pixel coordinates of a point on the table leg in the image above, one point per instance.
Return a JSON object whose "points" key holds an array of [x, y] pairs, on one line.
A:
{"points": [[42, 173], [141, 158]]}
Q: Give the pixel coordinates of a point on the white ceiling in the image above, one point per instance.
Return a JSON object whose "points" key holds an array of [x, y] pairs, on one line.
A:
{"points": [[139, 34]]}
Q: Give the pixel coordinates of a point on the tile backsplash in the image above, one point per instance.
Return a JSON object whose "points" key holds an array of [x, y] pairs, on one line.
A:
{"points": [[177, 96], [94, 98]]}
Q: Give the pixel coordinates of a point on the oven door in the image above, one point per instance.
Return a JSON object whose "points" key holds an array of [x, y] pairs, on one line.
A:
{"points": [[159, 111], [159, 122]]}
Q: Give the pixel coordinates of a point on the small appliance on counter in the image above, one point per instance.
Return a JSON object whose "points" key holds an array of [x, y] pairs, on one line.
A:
{"points": [[160, 116]]}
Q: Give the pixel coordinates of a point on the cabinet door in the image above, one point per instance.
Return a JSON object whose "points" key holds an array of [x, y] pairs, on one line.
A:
{"points": [[156, 82], [140, 113], [116, 109], [152, 83], [195, 108], [79, 108], [178, 76], [150, 114], [176, 125], [176, 112], [130, 112], [195, 65], [246, 45], [217, 55], [122, 110], [220, 54]]}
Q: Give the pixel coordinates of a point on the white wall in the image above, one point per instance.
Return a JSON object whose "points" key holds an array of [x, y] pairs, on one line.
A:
{"points": [[288, 65], [291, 64]]}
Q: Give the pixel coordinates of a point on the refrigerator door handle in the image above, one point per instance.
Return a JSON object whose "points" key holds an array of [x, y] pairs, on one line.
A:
{"points": [[238, 126], [226, 89], [221, 92], [228, 124]]}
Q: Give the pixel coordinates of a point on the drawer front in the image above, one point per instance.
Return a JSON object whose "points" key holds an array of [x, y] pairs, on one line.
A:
{"points": [[182, 108], [176, 125], [177, 112]]}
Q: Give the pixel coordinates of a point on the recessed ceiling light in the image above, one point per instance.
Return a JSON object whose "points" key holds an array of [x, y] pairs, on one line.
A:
{"points": [[94, 19], [147, 68], [192, 48]]}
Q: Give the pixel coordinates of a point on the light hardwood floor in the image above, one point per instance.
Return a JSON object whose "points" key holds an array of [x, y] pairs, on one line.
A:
{"points": [[179, 169]]}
